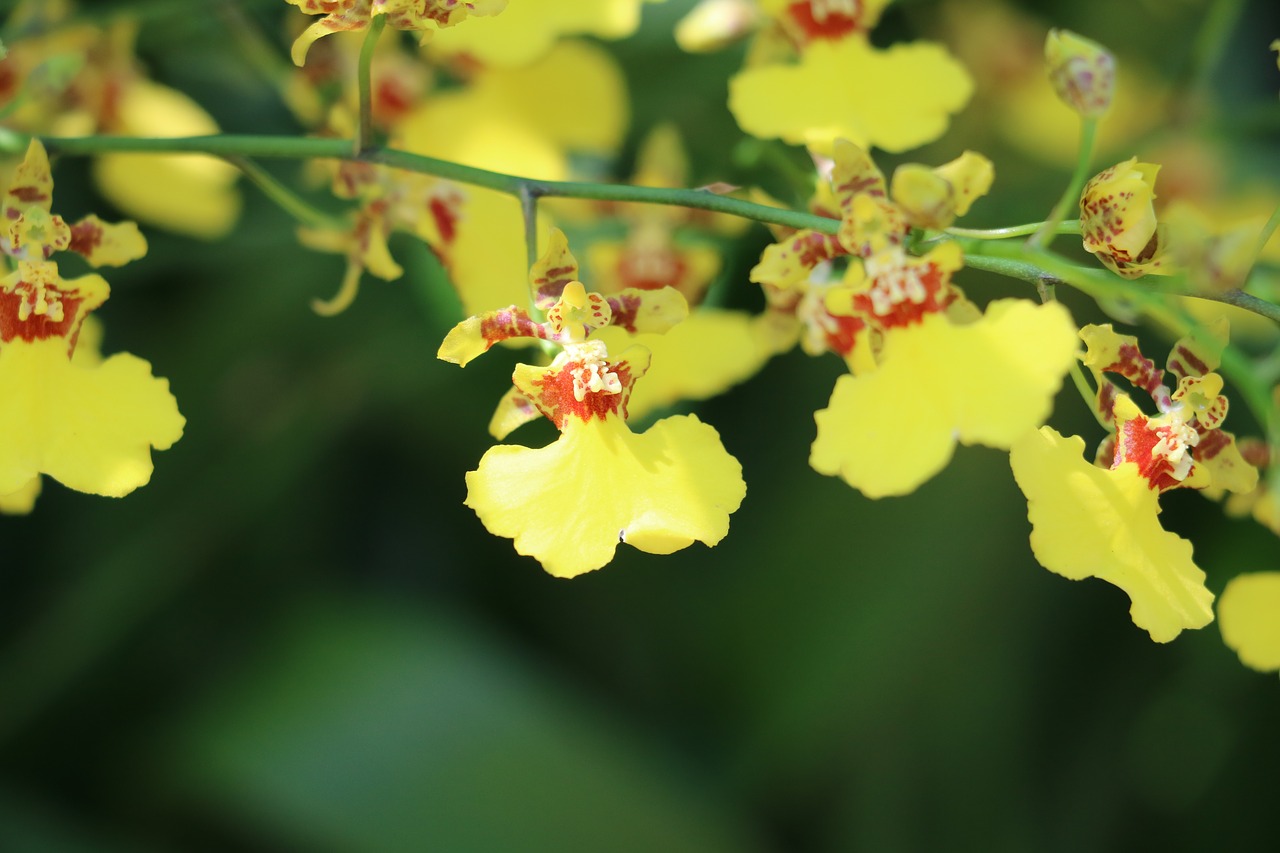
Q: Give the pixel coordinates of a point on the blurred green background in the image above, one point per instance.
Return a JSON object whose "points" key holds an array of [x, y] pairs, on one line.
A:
{"points": [[297, 638]]}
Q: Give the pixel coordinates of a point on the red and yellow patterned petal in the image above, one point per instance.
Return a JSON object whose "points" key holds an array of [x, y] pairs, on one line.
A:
{"points": [[1095, 522], [106, 244], [475, 335]]}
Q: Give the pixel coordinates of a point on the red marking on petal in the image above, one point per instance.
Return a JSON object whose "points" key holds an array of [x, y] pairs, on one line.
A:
{"points": [[38, 327], [842, 334], [446, 219], [626, 310], [905, 309], [832, 25], [508, 323], [85, 237], [1183, 363], [29, 195], [1141, 372], [1212, 442], [556, 397], [1135, 442], [651, 270]]}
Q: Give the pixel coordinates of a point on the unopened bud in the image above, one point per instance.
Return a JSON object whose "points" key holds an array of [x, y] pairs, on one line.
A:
{"points": [[1082, 72]]}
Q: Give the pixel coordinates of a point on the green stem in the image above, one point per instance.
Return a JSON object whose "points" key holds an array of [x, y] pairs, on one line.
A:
{"points": [[285, 198], [1089, 396], [1264, 237], [1071, 196], [1070, 226], [364, 135], [298, 148]]}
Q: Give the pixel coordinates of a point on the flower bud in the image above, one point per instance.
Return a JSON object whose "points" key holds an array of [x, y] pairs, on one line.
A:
{"points": [[1082, 72], [1118, 219]]}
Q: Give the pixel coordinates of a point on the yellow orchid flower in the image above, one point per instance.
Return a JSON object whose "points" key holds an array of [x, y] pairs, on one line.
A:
{"points": [[569, 504], [89, 424], [1101, 520], [936, 382]]}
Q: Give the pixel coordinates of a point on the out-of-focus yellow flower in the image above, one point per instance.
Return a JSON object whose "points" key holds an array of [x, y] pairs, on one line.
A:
{"points": [[1249, 618], [714, 24], [89, 424], [101, 89], [569, 504], [1118, 220], [1083, 72], [422, 17], [390, 201], [191, 195], [1004, 48], [1101, 520], [894, 99], [1215, 259], [529, 28]]}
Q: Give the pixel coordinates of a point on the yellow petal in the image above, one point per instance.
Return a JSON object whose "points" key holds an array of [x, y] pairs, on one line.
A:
{"points": [[569, 504], [893, 99], [193, 195], [23, 500], [106, 244], [989, 383], [1249, 618], [1096, 522], [528, 29], [90, 428]]}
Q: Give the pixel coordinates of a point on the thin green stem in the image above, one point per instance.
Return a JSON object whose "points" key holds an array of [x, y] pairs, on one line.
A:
{"points": [[364, 77], [1264, 237], [1089, 396], [298, 148], [529, 212], [1043, 237], [288, 201], [1240, 299], [1070, 226]]}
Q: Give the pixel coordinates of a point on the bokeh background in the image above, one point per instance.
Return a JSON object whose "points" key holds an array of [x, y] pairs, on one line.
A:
{"points": [[297, 638]]}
